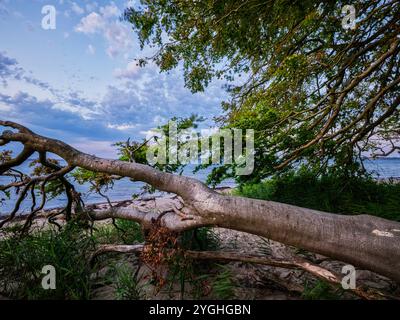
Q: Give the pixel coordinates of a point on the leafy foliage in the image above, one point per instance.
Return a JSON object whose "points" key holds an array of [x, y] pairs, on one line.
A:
{"points": [[136, 151], [123, 232], [127, 286], [223, 284], [22, 260], [321, 291], [314, 92], [330, 193], [199, 239], [69, 251], [99, 182]]}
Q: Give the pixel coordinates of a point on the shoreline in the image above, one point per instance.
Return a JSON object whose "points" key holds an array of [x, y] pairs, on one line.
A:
{"points": [[96, 205], [104, 205]]}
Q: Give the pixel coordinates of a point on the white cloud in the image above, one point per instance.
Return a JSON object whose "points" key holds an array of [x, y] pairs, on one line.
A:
{"points": [[129, 72], [159, 120], [77, 9], [121, 127], [142, 101], [119, 38], [102, 148], [131, 3], [110, 11], [84, 112], [106, 22], [92, 23], [149, 133], [4, 107], [91, 50]]}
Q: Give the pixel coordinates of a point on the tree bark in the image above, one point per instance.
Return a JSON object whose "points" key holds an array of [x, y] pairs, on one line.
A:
{"points": [[365, 241]]}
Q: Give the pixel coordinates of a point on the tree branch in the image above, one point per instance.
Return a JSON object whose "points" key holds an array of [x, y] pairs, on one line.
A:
{"points": [[291, 263], [368, 242]]}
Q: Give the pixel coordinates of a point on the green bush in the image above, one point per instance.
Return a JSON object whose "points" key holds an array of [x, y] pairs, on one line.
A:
{"points": [[199, 239], [22, 260], [330, 193], [123, 232], [223, 284], [126, 282], [321, 291]]}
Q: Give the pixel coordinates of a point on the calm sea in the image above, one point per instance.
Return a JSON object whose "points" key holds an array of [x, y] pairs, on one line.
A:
{"points": [[123, 189]]}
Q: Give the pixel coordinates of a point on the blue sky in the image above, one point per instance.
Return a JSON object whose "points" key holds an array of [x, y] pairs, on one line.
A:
{"points": [[80, 83]]}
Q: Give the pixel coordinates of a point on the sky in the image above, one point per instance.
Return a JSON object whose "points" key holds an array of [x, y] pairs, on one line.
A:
{"points": [[80, 83]]}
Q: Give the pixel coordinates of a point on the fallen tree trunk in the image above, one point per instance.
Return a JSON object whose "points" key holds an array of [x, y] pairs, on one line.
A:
{"points": [[365, 241]]}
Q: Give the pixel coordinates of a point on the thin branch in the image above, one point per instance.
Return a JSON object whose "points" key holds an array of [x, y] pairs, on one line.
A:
{"points": [[292, 263]]}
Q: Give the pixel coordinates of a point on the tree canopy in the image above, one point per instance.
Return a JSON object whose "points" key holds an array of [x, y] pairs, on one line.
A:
{"points": [[315, 92]]}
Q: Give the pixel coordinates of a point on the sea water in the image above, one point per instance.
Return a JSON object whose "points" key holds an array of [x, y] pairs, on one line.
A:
{"points": [[124, 188]]}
